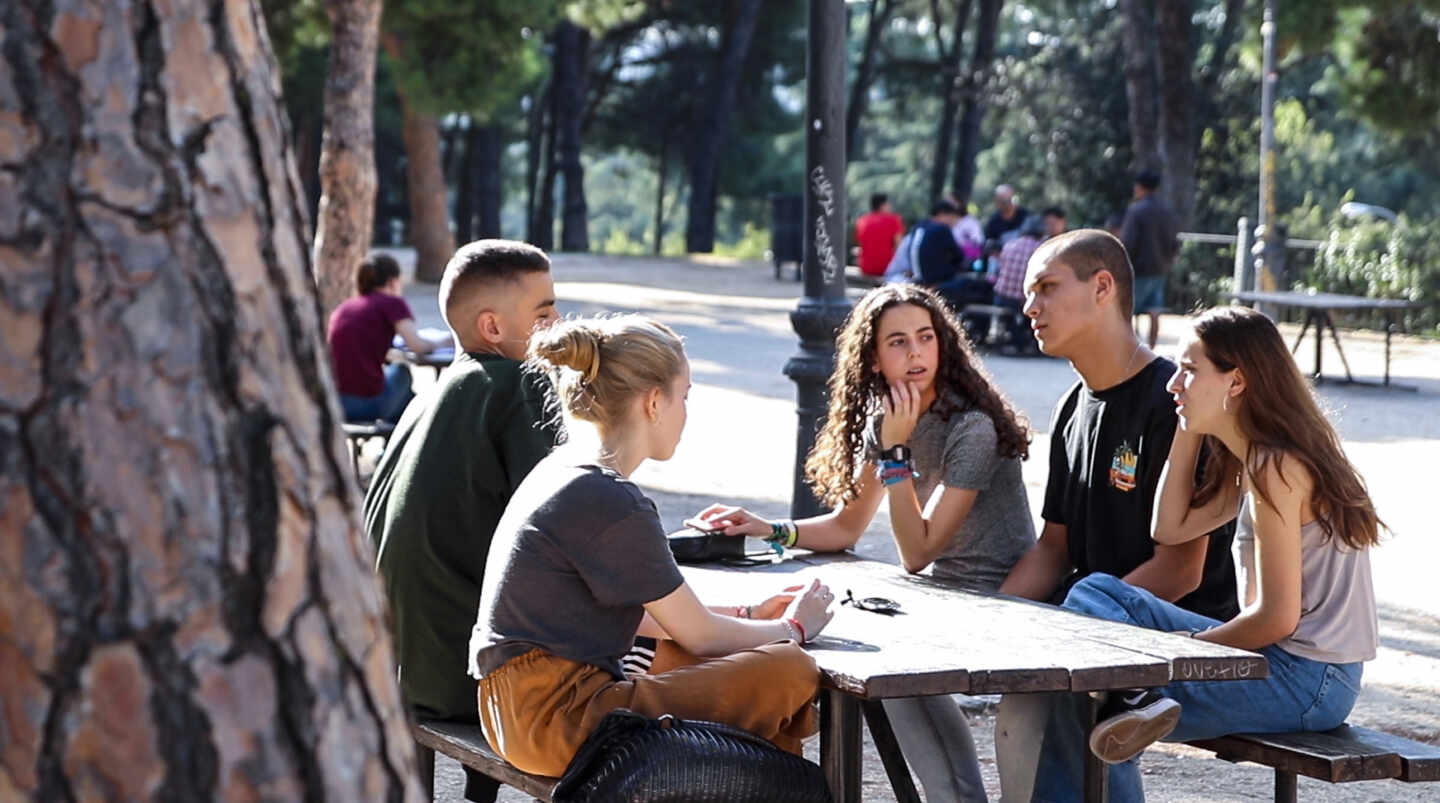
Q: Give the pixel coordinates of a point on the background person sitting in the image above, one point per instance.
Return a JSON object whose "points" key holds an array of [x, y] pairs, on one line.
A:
{"points": [[359, 335], [877, 234]]}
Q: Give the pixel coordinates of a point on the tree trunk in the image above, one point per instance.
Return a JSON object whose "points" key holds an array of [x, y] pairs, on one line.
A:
{"points": [[1140, 85], [534, 141], [661, 168], [1177, 100], [543, 227], [976, 90], [950, 75], [876, 20], [487, 182], [424, 184], [477, 204], [347, 153], [572, 48], [465, 186], [710, 137], [188, 610]]}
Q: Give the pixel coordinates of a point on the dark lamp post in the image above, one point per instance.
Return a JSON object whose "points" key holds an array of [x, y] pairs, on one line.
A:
{"points": [[823, 307]]}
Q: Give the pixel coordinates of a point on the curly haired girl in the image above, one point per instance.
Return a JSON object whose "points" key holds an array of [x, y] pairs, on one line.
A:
{"points": [[914, 418]]}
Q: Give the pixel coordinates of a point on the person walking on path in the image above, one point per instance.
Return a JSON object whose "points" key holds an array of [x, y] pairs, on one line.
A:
{"points": [[580, 566], [945, 450], [878, 233], [1149, 233], [1271, 460]]}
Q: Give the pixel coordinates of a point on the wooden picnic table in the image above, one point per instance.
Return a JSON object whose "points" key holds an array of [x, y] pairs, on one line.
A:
{"points": [[1318, 306], [947, 640]]}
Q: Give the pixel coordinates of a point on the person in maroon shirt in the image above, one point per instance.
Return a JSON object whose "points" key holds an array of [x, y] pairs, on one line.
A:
{"points": [[360, 333], [877, 234]]}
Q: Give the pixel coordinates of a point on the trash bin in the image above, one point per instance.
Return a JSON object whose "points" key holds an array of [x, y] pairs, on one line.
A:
{"points": [[787, 230]]}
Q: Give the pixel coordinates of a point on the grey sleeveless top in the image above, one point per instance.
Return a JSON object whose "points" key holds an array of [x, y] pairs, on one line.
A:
{"points": [[1338, 623]]}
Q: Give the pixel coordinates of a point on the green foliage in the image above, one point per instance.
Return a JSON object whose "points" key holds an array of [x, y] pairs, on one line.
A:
{"points": [[473, 57], [1379, 259]]}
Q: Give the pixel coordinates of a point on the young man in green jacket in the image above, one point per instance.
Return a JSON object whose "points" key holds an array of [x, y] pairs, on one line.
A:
{"points": [[452, 463]]}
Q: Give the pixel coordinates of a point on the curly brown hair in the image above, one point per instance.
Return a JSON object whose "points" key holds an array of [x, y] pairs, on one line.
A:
{"points": [[856, 391]]}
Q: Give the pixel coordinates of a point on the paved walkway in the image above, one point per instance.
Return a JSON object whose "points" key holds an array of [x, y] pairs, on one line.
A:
{"points": [[739, 446]]}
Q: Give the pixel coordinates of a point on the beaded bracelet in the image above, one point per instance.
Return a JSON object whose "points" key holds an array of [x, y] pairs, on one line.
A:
{"points": [[890, 472], [783, 534]]}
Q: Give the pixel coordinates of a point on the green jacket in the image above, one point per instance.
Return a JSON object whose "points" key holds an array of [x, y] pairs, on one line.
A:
{"points": [[450, 467]]}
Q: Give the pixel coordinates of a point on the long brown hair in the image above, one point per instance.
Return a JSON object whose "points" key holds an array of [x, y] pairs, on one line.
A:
{"points": [[1280, 418], [856, 390]]}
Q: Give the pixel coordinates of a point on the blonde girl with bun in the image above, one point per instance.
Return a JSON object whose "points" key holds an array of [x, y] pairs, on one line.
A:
{"points": [[579, 566]]}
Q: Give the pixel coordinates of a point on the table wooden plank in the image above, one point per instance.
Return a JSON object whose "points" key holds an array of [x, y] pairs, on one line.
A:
{"points": [[1333, 301], [949, 640]]}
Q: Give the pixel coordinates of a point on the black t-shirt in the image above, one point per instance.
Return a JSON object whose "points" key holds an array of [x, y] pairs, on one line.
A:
{"points": [[1107, 450]]}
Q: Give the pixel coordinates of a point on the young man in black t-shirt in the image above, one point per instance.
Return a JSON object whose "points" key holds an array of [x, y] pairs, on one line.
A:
{"points": [[1109, 439]]}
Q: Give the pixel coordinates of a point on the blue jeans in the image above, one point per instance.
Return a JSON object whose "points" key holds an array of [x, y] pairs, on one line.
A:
{"points": [[388, 405], [1298, 695]]}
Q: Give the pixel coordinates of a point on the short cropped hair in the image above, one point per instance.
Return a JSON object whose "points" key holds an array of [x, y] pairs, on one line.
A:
{"points": [[878, 200], [1053, 211], [1148, 179], [944, 206], [481, 267], [1088, 251]]}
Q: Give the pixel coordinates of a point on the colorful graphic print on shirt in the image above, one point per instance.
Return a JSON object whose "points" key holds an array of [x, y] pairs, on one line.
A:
{"points": [[1122, 467]]}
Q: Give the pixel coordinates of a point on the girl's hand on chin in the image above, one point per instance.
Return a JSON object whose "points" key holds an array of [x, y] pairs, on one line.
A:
{"points": [[902, 411]]}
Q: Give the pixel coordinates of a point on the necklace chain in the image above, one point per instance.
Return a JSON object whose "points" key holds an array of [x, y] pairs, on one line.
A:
{"points": [[1131, 361]]}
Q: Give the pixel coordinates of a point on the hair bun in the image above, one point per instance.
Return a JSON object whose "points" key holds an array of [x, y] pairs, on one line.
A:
{"points": [[569, 344]]}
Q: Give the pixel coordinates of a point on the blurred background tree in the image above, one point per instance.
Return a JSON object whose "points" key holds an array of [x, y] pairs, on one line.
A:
{"points": [[648, 126]]}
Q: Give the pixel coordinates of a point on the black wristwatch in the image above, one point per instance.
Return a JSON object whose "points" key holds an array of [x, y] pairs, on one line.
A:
{"points": [[899, 453]]}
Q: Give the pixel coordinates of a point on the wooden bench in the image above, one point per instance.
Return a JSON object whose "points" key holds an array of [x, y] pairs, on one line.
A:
{"points": [[358, 433], [1341, 755], [467, 745]]}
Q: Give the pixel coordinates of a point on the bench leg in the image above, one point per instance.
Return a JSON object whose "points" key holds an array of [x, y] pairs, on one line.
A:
{"points": [[425, 758], [1286, 787]]}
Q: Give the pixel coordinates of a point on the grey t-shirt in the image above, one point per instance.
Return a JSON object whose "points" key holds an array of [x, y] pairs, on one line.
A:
{"points": [[958, 450], [578, 553]]}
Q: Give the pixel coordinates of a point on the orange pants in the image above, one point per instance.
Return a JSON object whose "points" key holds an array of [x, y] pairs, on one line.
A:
{"points": [[537, 709]]}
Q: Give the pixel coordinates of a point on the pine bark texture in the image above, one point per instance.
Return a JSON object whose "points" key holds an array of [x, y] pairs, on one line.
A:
{"points": [[187, 609], [710, 138], [347, 152]]}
